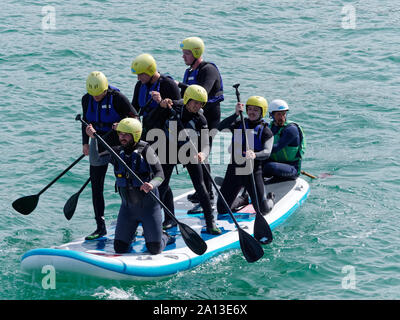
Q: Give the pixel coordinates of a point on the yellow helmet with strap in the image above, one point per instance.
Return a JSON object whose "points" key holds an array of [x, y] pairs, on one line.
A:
{"points": [[96, 83], [260, 102], [144, 63], [195, 92], [132, 126]]}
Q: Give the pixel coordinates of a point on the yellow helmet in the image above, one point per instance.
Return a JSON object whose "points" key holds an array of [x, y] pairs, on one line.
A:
{"points": [[195, 92], [258, 102], [144, 63], [195, 45], [132, 126], [96, 83]]}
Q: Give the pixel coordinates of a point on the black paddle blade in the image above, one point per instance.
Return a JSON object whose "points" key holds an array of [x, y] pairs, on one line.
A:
{"points": [[262, 230], [251, 248], [70, 206], [26, 205], [192, 239]]}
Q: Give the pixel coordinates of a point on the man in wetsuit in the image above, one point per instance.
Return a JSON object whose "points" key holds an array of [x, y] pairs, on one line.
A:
{"points": [[289, 144], [138, 206], [207, 75], [185, 118], [261, 140], [150, 89], [102, 106]]}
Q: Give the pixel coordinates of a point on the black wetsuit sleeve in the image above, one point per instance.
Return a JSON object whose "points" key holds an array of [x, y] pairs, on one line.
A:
{"points": [[208, 78], [123, 107], [135, 98], [85, 104], [228, 123]]}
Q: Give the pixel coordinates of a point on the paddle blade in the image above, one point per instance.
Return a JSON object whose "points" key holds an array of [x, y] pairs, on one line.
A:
{"points": [[70, 206], [192, 239], [26, 205], [262, 230], [251, 248]]}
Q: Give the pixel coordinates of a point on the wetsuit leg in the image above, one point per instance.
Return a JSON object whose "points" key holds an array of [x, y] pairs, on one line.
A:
{"points": [[259, 183], [196, 174], [125, 229], [151, 218], [280, 170], [230, 189], [166, 194], [97, 176]]}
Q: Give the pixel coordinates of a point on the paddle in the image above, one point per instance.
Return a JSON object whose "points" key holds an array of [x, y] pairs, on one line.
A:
{"points": [[262, 230], [192, 239], [251, 248], [70, 205], [27, 204]]}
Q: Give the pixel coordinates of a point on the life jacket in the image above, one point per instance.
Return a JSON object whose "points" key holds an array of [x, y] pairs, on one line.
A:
{"points": [[137, 163], [177, 116], [255, 143], [102, 115], [145, 96], [289, 153], [190, 77]]}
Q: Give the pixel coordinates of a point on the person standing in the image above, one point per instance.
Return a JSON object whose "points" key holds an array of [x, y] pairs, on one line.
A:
{"points": [[150, 89], [207, 75], [261, 140], [185, 116], [137, 206], [289, 144], [102, 106]]}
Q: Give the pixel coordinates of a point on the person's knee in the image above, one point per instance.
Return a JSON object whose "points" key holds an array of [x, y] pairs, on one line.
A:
{"points": [[121, 246], [154, 247]]}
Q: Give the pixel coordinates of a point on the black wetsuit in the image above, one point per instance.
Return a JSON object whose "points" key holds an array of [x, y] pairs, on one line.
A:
{"points": [[98, 164], [197, 124], [138, 206], [209, 78], [236, 176], [154, 117]]}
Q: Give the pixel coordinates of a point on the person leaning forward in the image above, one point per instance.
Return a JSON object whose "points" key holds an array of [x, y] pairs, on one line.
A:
{"points": [[138, 206], [185, 119], [102, 106]]}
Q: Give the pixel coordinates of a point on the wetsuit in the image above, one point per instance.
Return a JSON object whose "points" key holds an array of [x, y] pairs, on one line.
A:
{"points": [[208, 76], [114, 107], [285, 160], [153, 116], [138, 206], [194, 123], [236, 177]]}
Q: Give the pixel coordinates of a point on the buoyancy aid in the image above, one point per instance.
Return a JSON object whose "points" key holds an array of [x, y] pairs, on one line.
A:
{"points": [[136, 161], [255, 140], [289, 153], [102, 114], [190, 77]]}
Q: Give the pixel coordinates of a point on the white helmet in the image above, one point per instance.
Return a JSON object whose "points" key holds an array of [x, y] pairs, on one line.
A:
{"points": [[278, 105]]}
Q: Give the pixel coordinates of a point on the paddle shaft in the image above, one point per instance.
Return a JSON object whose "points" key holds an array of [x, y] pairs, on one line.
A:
{"points": [[308, 174], [122, 162], [61, 174]]}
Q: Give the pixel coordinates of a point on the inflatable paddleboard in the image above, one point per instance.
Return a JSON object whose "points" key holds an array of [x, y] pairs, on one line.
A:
{"points": [[98, 258]]}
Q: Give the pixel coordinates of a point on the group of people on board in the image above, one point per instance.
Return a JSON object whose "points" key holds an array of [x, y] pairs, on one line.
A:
{"points": [[162, 105]]}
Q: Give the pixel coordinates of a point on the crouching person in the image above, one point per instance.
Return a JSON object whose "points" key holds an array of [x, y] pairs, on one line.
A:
{"points": [[138, 206]]}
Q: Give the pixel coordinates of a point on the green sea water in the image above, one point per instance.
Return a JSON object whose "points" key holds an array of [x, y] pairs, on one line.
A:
{"points": [[336, 63]]}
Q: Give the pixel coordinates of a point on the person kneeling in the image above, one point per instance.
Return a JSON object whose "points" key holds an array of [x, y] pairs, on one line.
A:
{"points": [[138, 206]]}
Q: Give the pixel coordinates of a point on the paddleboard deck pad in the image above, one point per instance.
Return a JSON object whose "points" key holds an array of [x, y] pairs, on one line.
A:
{"points": [[98, 258]]}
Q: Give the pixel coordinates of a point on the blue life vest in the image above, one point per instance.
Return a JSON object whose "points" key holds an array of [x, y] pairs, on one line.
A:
{"points": [[137, 163], [190, 77], [144, 96], [102, 115], [255, 143]]}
